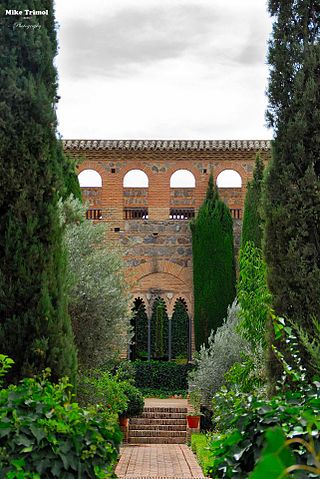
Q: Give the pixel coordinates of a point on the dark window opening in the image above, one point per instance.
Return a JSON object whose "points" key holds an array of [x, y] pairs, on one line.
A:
{"points": [[113, 170], [116, 230]]}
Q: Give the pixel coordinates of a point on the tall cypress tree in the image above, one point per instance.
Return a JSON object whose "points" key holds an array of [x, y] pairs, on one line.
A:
{"points": [[292, 199], [35, 329], [213, 264], [252, 218]]}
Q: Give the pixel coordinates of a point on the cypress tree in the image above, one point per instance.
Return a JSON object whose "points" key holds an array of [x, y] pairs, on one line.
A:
{"points": [[159, 344], [72, 185], [180, 330], [141, 328], [35, 329], [292, 198], [252, 218], [159, 330], [213, 264]]}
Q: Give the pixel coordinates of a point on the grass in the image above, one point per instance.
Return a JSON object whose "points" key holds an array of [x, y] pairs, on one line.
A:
{"points": [[199, 445]]}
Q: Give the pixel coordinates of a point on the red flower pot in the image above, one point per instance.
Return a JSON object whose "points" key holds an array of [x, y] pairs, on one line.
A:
{"points": [[193, 422], [123, 421]]}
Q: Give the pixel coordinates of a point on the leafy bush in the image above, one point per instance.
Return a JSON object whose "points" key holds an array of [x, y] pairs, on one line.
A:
{"points": [[165, 375], [135, 400], [212, 363], [5, 365], [100, 387], [200, 446], [44, 434], [244, 419], [125, 371], [277, 460]]}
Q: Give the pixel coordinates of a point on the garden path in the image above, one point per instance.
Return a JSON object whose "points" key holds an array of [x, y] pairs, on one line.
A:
{"points": [[158, 461], [145, 461]]}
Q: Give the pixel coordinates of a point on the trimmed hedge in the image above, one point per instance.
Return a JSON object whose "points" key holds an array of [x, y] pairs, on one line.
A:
{"points": [[163, 375]]}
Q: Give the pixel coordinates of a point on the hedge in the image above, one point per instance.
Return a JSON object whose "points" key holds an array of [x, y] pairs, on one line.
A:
{"points": [[165, 375]]}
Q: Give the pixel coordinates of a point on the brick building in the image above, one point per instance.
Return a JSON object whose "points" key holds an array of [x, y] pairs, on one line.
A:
{"points": [[147, 191]]}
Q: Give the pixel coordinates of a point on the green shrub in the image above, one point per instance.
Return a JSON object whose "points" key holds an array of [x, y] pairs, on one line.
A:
{"points": [[44, 434], [5, 365], [200, 446], [165, 375], [225, 348], [125, 371], [244, 419], [135, 400], [100, 387]]}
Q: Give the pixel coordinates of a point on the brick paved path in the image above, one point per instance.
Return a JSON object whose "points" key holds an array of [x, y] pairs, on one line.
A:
{"points": [[158, 461]]}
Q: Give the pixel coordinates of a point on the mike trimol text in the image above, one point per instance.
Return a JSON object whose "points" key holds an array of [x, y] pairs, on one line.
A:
{"points": [[27, 12]]}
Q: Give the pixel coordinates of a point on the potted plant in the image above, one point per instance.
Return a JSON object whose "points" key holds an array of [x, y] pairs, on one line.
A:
{"points": [[135, 403], [195, 402]]}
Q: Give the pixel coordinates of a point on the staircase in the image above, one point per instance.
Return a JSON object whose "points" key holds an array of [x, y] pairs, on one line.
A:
{"points": [[159, 425]]}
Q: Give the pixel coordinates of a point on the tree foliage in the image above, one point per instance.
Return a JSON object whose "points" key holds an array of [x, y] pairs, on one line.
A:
{"points": [[35, 328], [292, 199], [180, 329], [159, 330], [252, 217], [99, 297], [213, 264], [253, 295], [139, 322]]}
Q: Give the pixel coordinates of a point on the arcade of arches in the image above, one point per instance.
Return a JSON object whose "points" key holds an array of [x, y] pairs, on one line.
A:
{"points": [[147, 191]]}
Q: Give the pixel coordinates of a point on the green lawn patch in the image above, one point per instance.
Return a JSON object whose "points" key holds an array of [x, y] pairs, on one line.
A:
{"points": [[199, 445]]}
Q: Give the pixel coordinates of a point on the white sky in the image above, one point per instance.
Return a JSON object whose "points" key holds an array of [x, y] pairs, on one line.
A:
{"points": [[182, 69]]}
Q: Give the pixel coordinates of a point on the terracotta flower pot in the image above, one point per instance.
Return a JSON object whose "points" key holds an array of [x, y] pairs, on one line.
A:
{"points": [[193, 422], [123, 421]]}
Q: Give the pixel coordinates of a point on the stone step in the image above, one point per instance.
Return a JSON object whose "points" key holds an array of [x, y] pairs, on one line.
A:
{"points": [[154, 433], [166, 409], [156, 421], [163, 415], [157, 427], [157, 440]]}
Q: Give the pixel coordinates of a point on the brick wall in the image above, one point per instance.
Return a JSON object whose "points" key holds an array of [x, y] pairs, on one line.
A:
{"points": [[159, 255]]}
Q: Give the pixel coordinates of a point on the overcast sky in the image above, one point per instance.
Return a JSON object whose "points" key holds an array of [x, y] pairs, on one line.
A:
{"points": [[176, 69]]}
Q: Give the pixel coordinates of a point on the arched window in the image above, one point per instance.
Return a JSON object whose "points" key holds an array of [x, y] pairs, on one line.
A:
{"points": [[182, 179], [135, 179], [89, 178], [229, 179]]}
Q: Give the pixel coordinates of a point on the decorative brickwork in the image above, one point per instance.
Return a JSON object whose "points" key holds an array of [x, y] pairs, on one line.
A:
{"points": [[153, 223]]}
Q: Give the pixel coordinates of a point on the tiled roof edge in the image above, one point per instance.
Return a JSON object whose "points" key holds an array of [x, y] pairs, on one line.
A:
{"points": [[178, 145]]}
